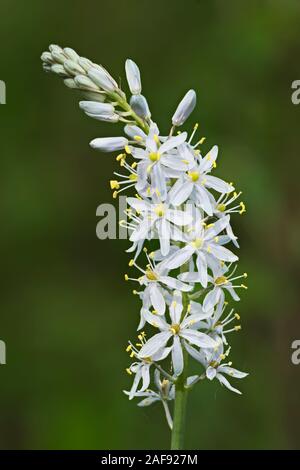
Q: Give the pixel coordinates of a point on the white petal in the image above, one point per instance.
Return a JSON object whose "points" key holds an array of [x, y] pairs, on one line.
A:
{"points": [[177, 356], [179, 217], [138, 204], [199, 339], [172, 142], [179, 257], [175, 283], [109, 144], [202, 268], [185, 108], [225, 382], [211, 373], [180, 192], [176, 307], [133, 77], [145, 377], [217, 227], [209, 159], [204, 200], [163, 227], [237, 374], [157, 299], [212, 298], [155, 320], [155, 343], [222, 253], [217, 184]]}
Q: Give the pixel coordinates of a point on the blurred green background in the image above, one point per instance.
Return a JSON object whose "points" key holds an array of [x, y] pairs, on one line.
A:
{"points": [[66, 312]]}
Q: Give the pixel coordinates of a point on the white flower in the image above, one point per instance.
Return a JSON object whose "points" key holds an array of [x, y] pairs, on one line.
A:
{"points": [[109, 144], [177, 330], [219, 327], [155, 159], [156, 280], [140, 106], [133, 77], [211, 360], [141, 367], [205, 244], [159, 216], [185, 108], [196, 183], [103, 79], [219, 282], [165, 392], [99, 111]]}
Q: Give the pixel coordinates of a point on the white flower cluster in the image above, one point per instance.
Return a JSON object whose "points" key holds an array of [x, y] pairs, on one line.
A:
{"points": [[186, 279]]}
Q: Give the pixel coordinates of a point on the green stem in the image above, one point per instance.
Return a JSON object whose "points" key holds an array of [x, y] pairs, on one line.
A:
{"points": [[177, 439], [126, 106]]}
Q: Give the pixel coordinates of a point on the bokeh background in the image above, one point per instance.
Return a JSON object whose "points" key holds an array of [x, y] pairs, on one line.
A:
{"points": [[66, 313]]}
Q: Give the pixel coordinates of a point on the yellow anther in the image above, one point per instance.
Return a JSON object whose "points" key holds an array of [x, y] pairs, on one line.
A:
{"points": [[134, 165], [138, 197], [202, 140], [128, 348], [230, 363], [208, 249], [221, 280], [126, 277], [139, 345], [197, 152], [151, 275], [151, 255], [189, 308], [128, 371], [221, 207], [237, 327], [237, 316], [127, 149], [222, 356], [193, 175], [131, 262], [114, 184], [243, 286], [214, 364], [235, 194], [178, 132], [185, 161], [115, 194], [245, 275], [175, 328], [204, 180], [148, 190], [133, 177], [243, 208], [135, 292], [156, 139], [132, 354], [154, 324], [208, 157], [120, 157], [216, 239], [209, 226], [154, 156], [197, 243], [196, 126], [138, 138], [140, 337], [160, 210], [154, 312], [214, 164]]}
